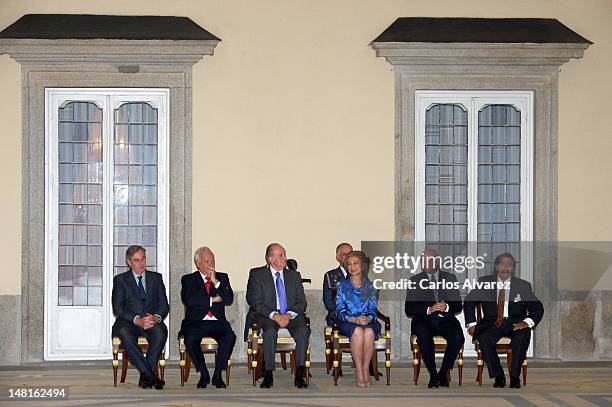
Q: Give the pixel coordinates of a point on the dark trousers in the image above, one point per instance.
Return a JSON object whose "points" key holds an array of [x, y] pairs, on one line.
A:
{"points": [[156, 337], [488, 335], [449, 329], [299, 331], [220, 331]]}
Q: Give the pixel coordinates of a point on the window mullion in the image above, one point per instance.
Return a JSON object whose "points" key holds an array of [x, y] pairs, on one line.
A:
{"points": [[108, 194], [472, 182]]}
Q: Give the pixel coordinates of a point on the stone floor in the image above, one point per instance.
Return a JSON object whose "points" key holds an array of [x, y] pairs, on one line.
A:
{"points": [[549, 384]]}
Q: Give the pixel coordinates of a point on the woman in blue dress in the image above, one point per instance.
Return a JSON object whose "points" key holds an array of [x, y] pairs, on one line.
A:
{"points": [[356, 311]]}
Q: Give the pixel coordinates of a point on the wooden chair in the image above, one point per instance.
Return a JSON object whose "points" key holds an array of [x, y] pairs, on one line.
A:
{"points": [[209, 346], [342, 344], [439, 347], [503, 346], [284, 345], [143, 345]]}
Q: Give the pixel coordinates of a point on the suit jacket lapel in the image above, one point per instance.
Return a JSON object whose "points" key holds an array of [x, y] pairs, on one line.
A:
{"points": [[270, 283], [149, 286], [131, 282], [287, 282]]}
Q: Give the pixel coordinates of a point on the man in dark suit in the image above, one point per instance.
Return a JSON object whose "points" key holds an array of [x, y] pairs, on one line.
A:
{"points": [[248, 320], [331, 278], [277, 296], [433, 307], [205, 294], [140, 305], [510, 308]]}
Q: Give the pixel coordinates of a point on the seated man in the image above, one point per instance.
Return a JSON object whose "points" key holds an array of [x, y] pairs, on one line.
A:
{"points": [[432, 308], [332, 278], [205, 294], [140, 305], [510, 308], [277, 296]]}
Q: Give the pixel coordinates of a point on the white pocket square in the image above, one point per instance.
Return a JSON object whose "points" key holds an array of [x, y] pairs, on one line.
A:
{"points": [[517, 298]]}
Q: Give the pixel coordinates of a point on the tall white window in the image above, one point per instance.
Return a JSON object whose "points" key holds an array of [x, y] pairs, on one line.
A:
{"points": [[473, 174], [106, 178]]}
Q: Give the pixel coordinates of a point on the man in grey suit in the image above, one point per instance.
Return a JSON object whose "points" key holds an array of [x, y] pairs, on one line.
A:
{"points": [[277, 296], [140, 305]]}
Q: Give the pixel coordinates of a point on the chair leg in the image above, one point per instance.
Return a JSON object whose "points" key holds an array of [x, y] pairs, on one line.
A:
{"points": [[228, 372], [480, 363], [292, 362], [509, 360], [374, 363], [283, 360], [337, 361], [249, 359], [460, 366], [328, 361], [124, 366], [182, 366], [416, 364], [187, 367], [524, 368], [388, 365], [115, 367], [448, 375], [307, 367], [162, 365]]}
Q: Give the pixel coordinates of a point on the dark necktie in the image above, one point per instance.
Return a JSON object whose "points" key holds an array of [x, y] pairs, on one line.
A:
{"points": [[501, 299], [434, 280], [141, 289]]}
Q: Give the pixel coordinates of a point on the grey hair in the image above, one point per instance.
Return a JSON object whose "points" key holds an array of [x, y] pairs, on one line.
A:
{"points": [[199, 250]]}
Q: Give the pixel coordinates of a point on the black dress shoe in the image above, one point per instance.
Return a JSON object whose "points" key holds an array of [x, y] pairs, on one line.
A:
{"points": [[443, 378], [500, 381], [515, 383], [204, 380], [268, 381], [158, 383], [434, 383], [218, 382], [299, 381], [145, 381]]}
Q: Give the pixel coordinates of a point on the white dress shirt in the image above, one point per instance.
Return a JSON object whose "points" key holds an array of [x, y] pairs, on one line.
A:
{"points": [[207, 317]]}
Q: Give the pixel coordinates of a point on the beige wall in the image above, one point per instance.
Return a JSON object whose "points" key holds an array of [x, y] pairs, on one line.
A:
{"points": [[293, 124]]}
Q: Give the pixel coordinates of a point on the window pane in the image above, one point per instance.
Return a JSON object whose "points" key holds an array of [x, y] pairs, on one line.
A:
{"points": [[499, 162], [80, 198], [135, 184], [446, 154]]}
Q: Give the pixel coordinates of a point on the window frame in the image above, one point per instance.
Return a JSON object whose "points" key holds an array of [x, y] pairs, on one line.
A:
{"points": [[473, 102], [107, 99]]}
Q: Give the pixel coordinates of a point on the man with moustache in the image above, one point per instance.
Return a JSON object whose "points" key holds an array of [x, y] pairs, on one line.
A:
{"points": [[509, 309]]}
